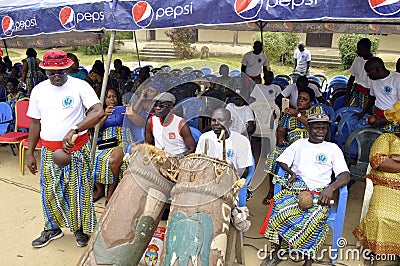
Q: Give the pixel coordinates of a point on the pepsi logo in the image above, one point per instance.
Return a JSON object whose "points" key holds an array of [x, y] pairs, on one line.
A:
{"points": [[142, 13], [385, 7], [7, 25], [67, 17], [247, 9]]}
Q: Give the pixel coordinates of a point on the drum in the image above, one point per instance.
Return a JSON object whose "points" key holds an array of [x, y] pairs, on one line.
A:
{"points": [[201, 205], [134, 211]]}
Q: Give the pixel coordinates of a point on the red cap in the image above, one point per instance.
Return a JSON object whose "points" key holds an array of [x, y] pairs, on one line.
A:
{"points": [[55, 59]]}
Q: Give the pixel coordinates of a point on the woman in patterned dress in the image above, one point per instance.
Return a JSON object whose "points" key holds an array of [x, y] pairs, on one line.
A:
{"points": [[292, 126], [31, 73]]}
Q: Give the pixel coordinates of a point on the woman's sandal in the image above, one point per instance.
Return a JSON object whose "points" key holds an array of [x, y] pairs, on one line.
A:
{"points": [[269, 196]]}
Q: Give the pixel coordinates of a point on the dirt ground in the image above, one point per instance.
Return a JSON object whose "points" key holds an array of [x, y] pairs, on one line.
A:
{"points": [[22, 221]]}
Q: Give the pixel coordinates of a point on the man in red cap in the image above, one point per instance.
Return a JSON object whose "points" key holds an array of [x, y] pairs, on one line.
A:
{"points": [[60, 108]]}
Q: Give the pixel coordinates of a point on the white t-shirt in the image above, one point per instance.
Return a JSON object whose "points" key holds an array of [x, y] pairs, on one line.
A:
{"points": [[292, 92], [241, 115], [314, 162], [357, 70], [238, 149], [386, 91], [263, 92], [254, 63], [302, 59], [168, 136], [60, 108]]}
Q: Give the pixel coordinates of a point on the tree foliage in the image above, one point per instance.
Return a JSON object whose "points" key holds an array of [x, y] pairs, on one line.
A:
{"points": [[182, 38], [348, 47], [279, 46]]}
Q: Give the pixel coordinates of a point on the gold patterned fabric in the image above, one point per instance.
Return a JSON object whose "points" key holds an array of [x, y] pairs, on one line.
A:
{"points": [[379, 229]]}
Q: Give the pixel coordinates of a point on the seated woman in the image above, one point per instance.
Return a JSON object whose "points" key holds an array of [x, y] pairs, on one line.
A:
{"points": [[292, 126], [115, 139], [292, 222], [379, 229], [13, 95]]}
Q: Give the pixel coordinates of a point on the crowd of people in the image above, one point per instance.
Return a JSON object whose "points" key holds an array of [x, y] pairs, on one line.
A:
{"points": [[65, 107]]}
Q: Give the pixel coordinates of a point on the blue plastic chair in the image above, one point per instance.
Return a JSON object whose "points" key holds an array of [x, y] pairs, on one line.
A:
{"points": [[84, 70], [192, 109], [207, 70], [347, 125], [3, 93], [281, 82], [188, 77], [339, 78], [335, 217], [173, 81], [235, 73], [324, 81], [136, 70], [176, 72], [197, 73], [166, 68], [6, 117], [195, 133], [338, 103], [294, 77], [332, 86], [284, 76], [187, 69], [243, 190], [316, 79], [209, 77]]}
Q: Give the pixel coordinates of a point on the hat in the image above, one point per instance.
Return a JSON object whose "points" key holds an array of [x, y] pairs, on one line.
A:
{"points": [[165, 97], [55, 59], [317, 118]]}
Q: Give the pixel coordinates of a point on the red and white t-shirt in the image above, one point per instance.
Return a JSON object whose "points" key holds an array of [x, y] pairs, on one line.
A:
{"points": [[168, 136]]}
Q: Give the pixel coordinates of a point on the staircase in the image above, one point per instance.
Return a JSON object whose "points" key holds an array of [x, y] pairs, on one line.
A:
{"points": [[158, 52], [325, 58]]}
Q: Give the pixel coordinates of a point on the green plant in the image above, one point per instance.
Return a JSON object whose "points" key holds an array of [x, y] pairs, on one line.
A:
{"points": [[182, 38], [348, 47], [279, 46]]}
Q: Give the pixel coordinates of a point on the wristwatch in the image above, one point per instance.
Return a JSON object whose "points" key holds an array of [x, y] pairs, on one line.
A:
{"points": [[299, 115], [75, 129]]}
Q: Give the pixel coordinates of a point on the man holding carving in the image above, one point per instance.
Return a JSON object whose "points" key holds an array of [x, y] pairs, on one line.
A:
{"points": [[60, 108]]}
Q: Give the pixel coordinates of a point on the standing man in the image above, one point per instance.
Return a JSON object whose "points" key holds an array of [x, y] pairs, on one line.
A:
{"points": [[302, 60], [168, 131], [61, 107], [238, 148], [255, 62]]}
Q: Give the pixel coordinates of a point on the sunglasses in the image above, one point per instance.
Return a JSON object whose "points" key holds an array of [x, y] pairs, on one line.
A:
{"points": [[53, 75], [162, 105]]}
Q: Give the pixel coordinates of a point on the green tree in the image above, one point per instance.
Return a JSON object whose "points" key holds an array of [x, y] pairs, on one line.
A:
{"points": [[182, 38], [279, 46], [348, 47]]}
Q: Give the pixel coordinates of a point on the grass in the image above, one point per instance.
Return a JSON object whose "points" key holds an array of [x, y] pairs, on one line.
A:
{"points": [[234, 62]]}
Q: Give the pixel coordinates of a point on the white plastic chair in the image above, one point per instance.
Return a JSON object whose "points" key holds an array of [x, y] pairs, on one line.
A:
{"points": [[265, 124]]}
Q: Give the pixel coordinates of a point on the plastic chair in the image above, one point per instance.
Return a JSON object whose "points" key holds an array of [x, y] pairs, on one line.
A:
{"points": [[336, 94], [235, 73], [192, 108], [176, 72], [22, 121], [332, 86], [136, 70], [243, 190], [286, 77], [339, 102], [335, 217], [6, 117], [163, 75], [316, 80], [173, 82], [339, 78], [281, 82], [188, 77], [156, 70], [197, 73], [362, 139], [3, 93], [84, 70], [265, 124], [184, 90], [209, 77], [213, 99], [166, 68], [22, 146], [187, 69], [294, 77], [207, 70], [195, 133], [324, 81], [347, 125]]}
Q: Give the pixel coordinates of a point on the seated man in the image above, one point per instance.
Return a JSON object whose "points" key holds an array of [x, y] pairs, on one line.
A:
{"points": [[312, 160], [242, 116], [168, 131], [238, 149]]}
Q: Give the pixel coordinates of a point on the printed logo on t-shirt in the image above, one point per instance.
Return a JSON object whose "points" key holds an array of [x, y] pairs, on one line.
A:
{"points": [[387, 89], [171, 135], [229, 154], [271, 91], [259, 60], [68, 102], [321, 158]]}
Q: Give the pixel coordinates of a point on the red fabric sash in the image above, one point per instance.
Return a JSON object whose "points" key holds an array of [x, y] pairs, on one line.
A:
{"points": [[379, 112], [55, 145], [362, 89], [264, 225]]}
